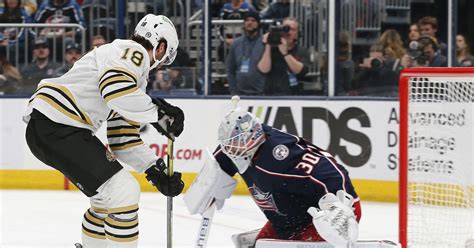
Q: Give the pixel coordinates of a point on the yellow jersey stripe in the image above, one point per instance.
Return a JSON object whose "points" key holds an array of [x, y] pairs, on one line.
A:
{"points": [[61, 108], [93, 235], [122, 131], [120, 239], [69, 97], [93, 219], [123, 146], [120, 70], [114, 79], [120, 92]]}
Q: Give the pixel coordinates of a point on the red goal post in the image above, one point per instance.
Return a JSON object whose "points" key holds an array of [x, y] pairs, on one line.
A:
{"points": [[436, 157]]}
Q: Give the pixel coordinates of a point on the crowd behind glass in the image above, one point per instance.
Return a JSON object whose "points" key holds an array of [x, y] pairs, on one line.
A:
{"points": [[259, 59]]}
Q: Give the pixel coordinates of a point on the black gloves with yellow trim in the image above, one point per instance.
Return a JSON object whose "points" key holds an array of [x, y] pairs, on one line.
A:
{"points": [[167, 185], [170, 118]]}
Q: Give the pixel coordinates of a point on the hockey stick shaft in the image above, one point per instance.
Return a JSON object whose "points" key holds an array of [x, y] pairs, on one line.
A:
{"points": [[205, 226], [169, 199]]}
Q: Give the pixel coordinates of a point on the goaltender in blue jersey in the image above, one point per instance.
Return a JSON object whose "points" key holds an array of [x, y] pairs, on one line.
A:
{"points": [[292, 181]]}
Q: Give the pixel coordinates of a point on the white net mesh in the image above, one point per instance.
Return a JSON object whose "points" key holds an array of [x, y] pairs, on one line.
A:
{"points": [[440, 162]]}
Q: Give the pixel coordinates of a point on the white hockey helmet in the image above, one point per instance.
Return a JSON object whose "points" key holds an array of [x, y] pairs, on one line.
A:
{"points": [[155, 28], [240, 135]]}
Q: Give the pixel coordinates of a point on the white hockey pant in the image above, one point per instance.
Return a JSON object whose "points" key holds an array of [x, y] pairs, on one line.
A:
{"points": [[112, 220]]}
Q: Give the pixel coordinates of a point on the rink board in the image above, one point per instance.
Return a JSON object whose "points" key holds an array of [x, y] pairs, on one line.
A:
{"points": [[363, 136]]}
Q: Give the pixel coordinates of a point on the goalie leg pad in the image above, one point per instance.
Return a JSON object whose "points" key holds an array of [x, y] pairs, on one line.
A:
{"points": [[246, 239], [212, 183]]}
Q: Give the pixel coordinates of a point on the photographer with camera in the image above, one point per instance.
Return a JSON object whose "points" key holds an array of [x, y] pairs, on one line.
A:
{"points": [[424, 53], [283, 62], [378, 74]]}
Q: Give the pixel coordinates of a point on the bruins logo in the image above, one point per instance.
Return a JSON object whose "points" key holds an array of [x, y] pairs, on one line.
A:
{"points": [[110, 156]]}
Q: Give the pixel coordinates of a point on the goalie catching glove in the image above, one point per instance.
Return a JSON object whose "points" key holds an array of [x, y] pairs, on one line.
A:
{"points": [[170, 118], [167, 185], [335, 220]]}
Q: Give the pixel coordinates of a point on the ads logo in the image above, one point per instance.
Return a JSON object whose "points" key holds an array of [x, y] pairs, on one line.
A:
{"points": [[283, 118]]}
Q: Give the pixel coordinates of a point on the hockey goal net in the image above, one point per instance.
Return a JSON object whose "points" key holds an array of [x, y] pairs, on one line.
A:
{"points": [[436, 157]]}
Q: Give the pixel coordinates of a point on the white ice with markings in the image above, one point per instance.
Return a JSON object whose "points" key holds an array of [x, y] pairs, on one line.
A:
{"points": [[52, 219]]}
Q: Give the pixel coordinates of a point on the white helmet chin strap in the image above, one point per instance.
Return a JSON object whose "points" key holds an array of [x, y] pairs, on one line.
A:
{"points": [[157, 62]]}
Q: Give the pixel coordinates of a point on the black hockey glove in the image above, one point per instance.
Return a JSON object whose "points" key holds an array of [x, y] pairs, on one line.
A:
{"points": [[170, 119], [169, 186]]}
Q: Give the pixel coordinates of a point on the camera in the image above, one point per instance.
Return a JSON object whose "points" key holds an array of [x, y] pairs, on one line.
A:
{"points": [[415, 51], [274, 37], [376, 63]]}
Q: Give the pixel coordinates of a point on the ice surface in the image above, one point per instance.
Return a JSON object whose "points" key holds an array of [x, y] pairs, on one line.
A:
{"points": [[52, 219]]}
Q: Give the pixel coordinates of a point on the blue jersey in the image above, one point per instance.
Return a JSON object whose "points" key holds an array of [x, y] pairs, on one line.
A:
{"points": [[288, 175]]}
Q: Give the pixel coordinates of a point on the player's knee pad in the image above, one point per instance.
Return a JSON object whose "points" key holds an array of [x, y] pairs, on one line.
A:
{"points": [[120, 191], [93, 225], [122, 225]]}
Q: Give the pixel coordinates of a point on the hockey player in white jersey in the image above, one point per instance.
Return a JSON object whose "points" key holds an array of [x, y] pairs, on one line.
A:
{"points": [[107, 85]]}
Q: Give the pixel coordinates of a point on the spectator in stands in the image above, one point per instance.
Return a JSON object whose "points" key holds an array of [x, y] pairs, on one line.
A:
{"points": [[234, 10], [278, 10], [344, 66], [285, 63], [427, 54], [430, 48], [13, 12], [73, 53], [464, 57], [30, 6], [378, 75], [98, 40], [428, 26], [392, 45], [40, 68], [163, 82], [413, 34], [244, 55], [9, 75], [60, 12]]}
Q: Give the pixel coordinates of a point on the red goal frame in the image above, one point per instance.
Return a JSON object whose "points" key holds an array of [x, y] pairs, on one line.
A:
{"points": [[405, 75]]}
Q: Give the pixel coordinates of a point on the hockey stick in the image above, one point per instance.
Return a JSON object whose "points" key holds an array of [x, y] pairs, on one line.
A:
{"points": [[169, 199], [205, 226]]}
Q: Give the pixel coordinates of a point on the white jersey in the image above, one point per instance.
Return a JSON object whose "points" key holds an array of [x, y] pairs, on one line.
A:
{"points": [[106, 85]]}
